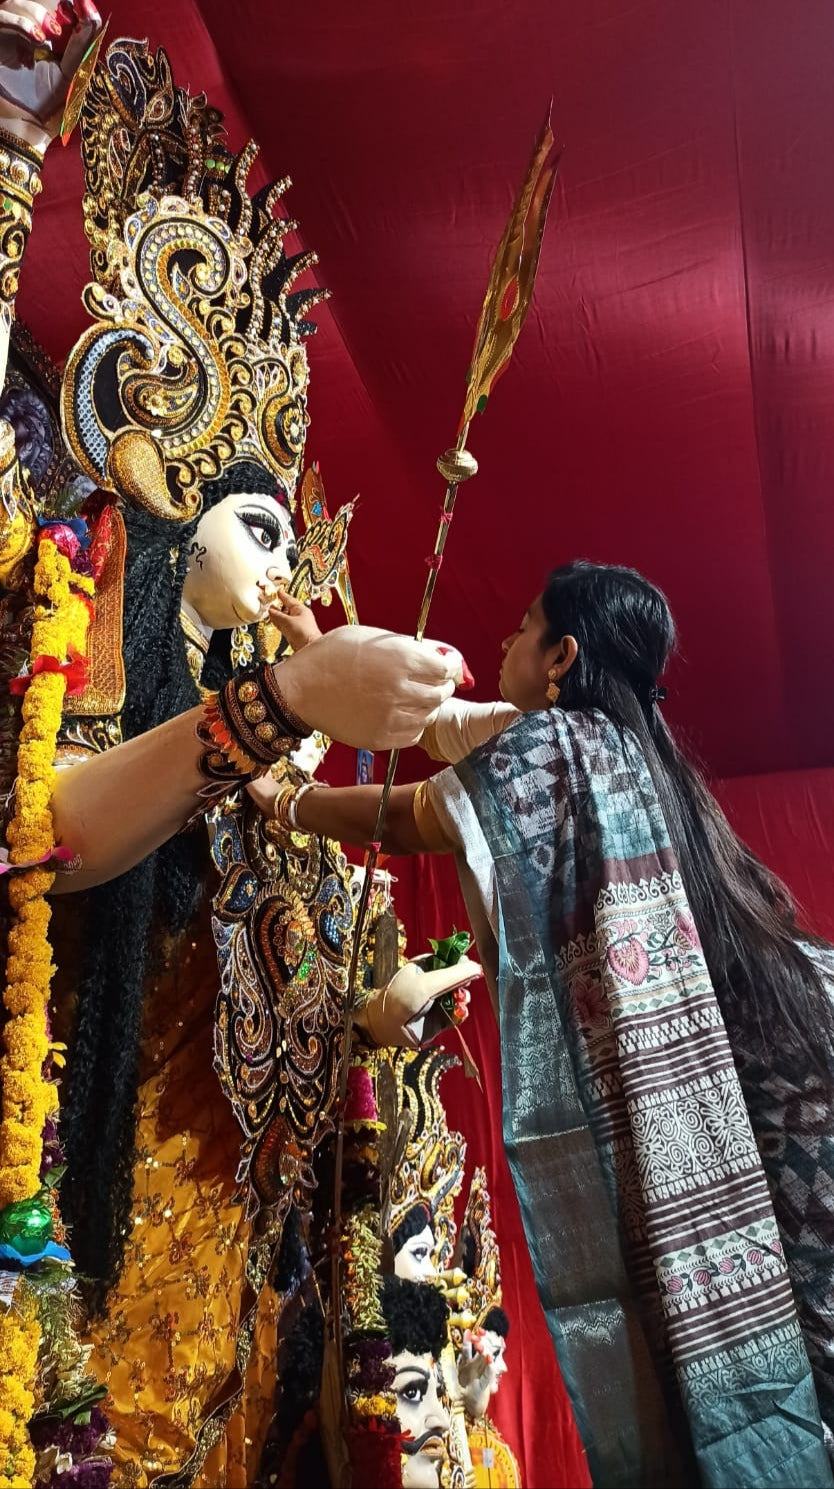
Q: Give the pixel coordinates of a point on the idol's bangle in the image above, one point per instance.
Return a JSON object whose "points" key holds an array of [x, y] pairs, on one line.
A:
{"points": [[244, 730], [256, 718]]}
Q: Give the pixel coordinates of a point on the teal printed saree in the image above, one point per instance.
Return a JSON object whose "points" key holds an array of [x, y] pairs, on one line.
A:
{"points": [[658, 1260]]}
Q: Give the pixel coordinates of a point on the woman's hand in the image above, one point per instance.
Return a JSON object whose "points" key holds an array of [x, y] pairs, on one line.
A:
{"points": [[405, 1014], [40, 50], [295, 621], [370, 689]]}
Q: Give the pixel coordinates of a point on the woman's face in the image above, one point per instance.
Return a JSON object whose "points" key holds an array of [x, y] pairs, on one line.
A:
{"points": [[527, 658], [423, 1419], [244, 547], [414, 1261]]}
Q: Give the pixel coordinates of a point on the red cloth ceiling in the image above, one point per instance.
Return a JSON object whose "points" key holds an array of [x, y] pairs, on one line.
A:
{"points": [[671, 403]]}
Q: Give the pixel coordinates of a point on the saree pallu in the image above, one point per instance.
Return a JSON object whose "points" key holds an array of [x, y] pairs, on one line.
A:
{"points": [[657, 1256]]}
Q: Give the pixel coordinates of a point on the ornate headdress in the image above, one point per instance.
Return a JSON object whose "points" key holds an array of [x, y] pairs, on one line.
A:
{"points": [[197, 355], [428, 1161], [478, 1257]]}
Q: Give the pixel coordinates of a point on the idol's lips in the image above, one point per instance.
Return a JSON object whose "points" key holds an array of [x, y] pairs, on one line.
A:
{"points": [[433, 1448], [430, 1445]]}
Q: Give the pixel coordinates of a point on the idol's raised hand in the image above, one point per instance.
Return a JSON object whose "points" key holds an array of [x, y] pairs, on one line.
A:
{"points": [[407, 1013], [40, 49], [370, 689]]}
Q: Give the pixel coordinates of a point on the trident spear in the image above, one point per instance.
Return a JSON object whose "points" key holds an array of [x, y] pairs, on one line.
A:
{"points": [[505, 306]]}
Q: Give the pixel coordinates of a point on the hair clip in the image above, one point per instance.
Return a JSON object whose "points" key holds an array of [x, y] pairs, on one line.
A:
{"points": [[657, 695]]}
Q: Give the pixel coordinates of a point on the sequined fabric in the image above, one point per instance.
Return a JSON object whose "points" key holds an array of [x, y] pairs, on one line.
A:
{"points": [[167, 1347]]}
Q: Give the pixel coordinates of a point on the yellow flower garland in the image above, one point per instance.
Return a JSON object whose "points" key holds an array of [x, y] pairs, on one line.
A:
{"points": [[28, 1097]]}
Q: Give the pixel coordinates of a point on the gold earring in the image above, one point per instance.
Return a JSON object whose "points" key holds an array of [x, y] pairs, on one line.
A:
{"points": [[553, 689], [241, 647]]}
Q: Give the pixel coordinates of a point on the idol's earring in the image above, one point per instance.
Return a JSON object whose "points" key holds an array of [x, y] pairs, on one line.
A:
{"points": [[553, 689], [241, 648]]}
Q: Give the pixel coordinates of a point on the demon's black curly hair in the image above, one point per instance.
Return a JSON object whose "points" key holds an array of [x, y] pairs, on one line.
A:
{"points": [[126, 919], [416, 1316], [496, 1322]]}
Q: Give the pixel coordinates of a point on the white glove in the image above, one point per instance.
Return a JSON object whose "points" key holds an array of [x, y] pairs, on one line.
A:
{"points": [[370, 689], [459, 727], [403, 1016]]}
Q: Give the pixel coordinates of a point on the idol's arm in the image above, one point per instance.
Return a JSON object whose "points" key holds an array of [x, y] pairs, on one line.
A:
{"points": [[355, 684], [114, 809]]}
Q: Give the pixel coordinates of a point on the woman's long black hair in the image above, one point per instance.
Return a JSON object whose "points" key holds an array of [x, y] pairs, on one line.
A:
{"points": [[127, 919], [771, 993]]}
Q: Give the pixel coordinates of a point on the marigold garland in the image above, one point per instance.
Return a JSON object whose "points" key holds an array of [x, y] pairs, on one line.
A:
{"points": [[28, 1095]]}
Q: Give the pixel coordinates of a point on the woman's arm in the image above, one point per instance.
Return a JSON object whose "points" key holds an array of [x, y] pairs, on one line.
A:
{"points": [[349, 814]]}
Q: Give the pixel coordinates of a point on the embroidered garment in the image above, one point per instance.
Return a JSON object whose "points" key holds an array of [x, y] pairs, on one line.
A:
{"points": [[167, 1348], [658, 1260]]}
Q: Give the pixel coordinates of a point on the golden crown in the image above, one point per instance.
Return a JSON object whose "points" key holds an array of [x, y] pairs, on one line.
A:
{"points": [[196, 356], [477, 1256], [429, 1159]]}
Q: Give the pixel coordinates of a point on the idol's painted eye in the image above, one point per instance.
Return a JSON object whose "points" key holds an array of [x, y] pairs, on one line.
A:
{"points": [[263, 528], [413, 1391]]}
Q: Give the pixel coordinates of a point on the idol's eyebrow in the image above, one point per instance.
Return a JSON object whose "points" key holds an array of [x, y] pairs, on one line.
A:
{"points": [[412, 1370]]}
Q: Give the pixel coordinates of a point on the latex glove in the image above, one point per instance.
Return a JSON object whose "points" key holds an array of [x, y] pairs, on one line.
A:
{"points": [[295, 621], [41, 48], [404, 1015], [371, 689], [459, 727]]}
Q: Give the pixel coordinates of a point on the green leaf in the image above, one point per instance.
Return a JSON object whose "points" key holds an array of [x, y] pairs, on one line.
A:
{"points": [[448, 952]]}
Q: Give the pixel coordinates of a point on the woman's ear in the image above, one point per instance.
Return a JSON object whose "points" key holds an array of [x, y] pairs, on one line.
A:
{"points": [[561, 657]]}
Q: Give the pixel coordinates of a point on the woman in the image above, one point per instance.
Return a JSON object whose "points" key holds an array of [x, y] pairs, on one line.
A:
{"points": [[645, 961]]}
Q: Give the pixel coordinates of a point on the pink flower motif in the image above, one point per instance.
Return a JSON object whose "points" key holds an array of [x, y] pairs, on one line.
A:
{"points": [[777, 1247], [755, 1257], [726, 1265], [629, 959], [702, 1276], [674, 1284], [687, 931], [589, 1001], [621, 928]]}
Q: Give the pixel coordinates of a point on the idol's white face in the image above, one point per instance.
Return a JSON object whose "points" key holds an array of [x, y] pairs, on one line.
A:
{"points": [[423, 1419], [414, 1260], [495, 1346], [243, 549]]}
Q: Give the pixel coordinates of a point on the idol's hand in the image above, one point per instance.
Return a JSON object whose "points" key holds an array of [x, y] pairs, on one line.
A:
{"points": [[40, 50], [476, 1373], [295, 621], [370, 689], [406, 1015]]}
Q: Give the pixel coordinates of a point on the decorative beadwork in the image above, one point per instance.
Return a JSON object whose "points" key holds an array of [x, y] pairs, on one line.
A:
{"points": [[245, 729], [19, 185]]}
